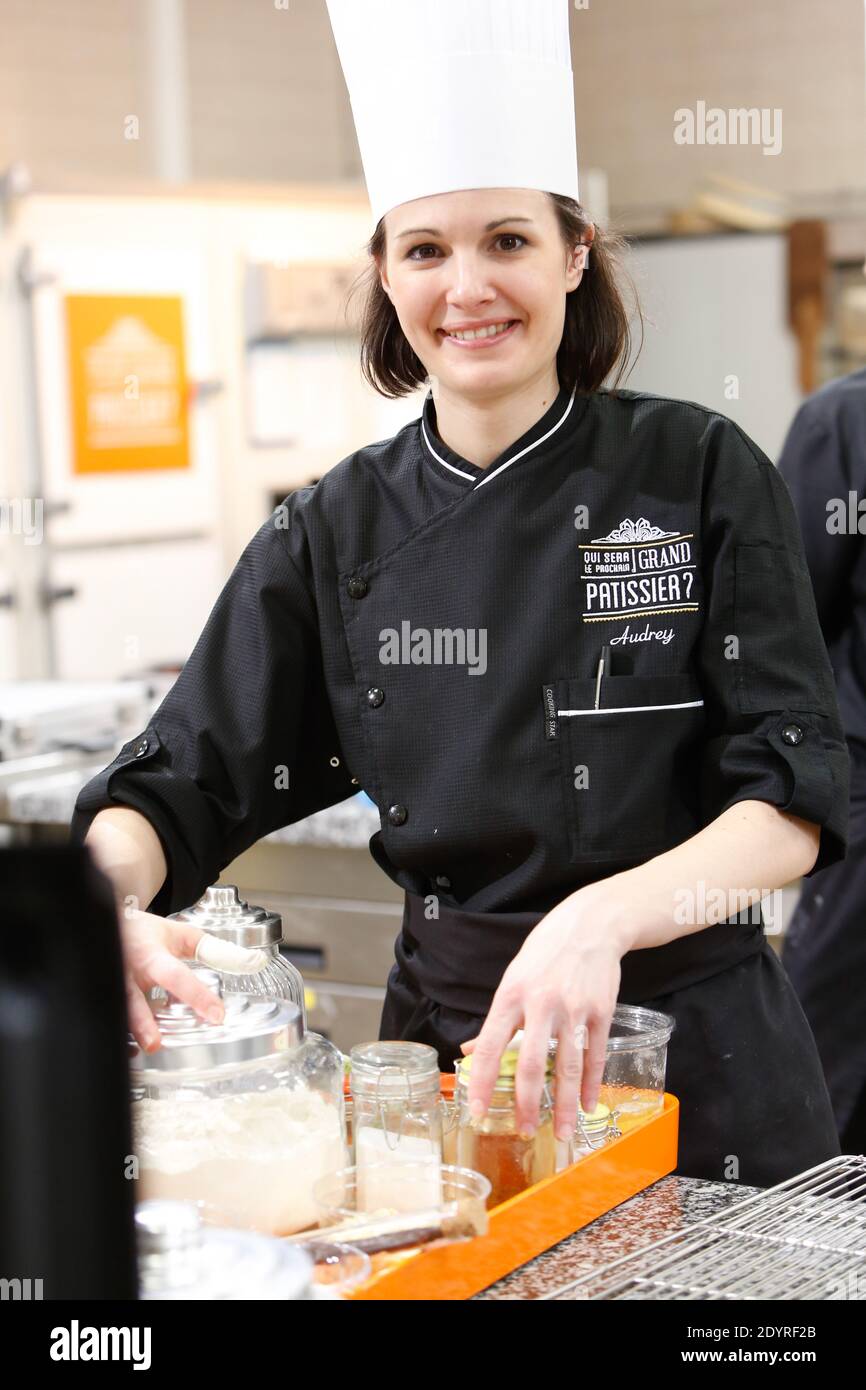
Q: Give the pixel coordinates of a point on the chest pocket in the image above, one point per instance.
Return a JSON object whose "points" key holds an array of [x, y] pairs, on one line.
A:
{"points": [[631, 768]]}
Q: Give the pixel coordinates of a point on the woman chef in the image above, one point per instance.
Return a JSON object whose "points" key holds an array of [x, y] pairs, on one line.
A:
{"points": [[565, 639]]}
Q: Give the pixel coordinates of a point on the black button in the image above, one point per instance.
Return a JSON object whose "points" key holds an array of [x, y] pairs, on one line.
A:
{"points": [[442, 881], [792, 733], [357, 587], [397, 815], [141, 748], [375, 696]]}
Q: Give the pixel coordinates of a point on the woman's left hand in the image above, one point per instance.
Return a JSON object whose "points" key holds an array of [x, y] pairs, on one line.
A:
{"points": [[563, 983]]}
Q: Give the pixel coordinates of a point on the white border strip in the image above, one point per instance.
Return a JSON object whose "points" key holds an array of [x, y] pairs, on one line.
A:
{"points": [[631, 709]]}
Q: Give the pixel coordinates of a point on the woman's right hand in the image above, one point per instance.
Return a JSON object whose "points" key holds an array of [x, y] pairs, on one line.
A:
{"points": [[126, 848], [153, 953]]}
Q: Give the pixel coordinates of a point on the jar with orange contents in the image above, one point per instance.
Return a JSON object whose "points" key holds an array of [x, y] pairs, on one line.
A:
{"points": [[492, 1144]]}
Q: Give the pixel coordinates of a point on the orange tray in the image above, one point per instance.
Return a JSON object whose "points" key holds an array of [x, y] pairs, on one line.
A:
{"points": [[534, 1220]]}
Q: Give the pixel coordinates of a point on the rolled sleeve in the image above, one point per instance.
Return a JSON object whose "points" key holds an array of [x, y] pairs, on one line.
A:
{"points": [[245, 740], [774, 731], [142, 777]]}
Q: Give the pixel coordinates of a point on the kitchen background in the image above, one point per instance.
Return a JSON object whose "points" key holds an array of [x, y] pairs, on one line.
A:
{"points": [[181, 205]]}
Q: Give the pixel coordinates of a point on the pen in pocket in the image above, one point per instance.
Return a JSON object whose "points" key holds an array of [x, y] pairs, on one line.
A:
{"points": [[603, 669]]}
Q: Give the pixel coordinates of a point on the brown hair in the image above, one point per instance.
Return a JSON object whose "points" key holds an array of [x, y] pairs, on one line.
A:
{"points": [[596, 336]]}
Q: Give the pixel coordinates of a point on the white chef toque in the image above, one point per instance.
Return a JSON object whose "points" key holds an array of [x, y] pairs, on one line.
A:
{"points": [[450, 94]]}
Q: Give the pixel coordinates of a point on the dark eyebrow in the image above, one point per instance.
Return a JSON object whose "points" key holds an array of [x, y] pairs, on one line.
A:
{"points": [[433, 231]]}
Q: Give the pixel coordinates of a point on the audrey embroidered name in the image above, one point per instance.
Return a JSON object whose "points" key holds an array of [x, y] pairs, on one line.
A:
{"points": [[438, 646], [663, 635]]}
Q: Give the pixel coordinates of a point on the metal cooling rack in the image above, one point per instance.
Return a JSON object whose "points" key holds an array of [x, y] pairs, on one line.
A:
{"points": [[803, 1239]]}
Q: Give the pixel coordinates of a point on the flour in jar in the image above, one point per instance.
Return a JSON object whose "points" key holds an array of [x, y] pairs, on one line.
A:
{"points": [[251, 1157]]}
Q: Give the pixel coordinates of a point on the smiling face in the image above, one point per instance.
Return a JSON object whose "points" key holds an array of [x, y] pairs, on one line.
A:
{"points": [[478, 280]]}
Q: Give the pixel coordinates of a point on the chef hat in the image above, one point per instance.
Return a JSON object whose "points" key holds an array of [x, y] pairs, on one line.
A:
{"points": [[451, 94]]}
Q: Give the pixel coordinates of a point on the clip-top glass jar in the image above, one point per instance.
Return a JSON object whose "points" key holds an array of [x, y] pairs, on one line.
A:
{"points": [[221, 912], [492, 1144], [240, 1117], [396, 1116], [593, 1129]]}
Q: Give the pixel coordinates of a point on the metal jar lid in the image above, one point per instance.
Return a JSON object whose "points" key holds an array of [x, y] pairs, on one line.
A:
{"points": [[394, 1070], [179, 1258], [595, 1122], [507, 1077], [221, 911], [253, 1027]]}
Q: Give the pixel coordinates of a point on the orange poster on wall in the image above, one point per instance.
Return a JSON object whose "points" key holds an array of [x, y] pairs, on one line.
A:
{"points": [[127, 381]]}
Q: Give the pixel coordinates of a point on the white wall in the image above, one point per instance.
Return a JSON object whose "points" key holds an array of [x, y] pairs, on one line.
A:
{"points": [[716, 310], [74, 237], [267, 100]]}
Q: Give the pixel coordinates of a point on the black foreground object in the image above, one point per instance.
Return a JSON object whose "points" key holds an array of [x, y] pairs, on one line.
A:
{"points": [[66, 1204]]}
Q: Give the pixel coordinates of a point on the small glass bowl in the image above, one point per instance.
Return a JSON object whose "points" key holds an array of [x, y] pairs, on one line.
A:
{"points": [[337, 1267], [391, 1189]]}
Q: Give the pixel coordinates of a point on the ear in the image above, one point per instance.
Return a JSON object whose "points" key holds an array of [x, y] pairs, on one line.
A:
{"points": [[383, 278], [579, 258], [575, 267]]}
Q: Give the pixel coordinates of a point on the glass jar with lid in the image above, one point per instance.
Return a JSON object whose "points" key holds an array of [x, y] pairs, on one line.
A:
{"points": [[240, 1117], [396, 1116], [221, 912], [492, 1143], [593, 1129]]}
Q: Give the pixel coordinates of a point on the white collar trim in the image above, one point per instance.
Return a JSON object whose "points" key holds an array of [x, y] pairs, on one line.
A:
{"points": [[508, 462], [439, 459]]}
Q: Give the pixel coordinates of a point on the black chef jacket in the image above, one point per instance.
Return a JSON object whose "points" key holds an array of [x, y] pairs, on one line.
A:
{"points": [[431, 631], [823, 463]]}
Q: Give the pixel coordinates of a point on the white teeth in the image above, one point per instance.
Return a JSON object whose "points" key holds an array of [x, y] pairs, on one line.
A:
{"points": [[488, 332]]}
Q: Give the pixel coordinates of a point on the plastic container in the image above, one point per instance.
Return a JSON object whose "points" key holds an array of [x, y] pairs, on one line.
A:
{"points": [[633, 1081]]}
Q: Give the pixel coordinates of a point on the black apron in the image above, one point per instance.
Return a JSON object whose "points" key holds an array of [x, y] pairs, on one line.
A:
{"points": [[742, 1061]]}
